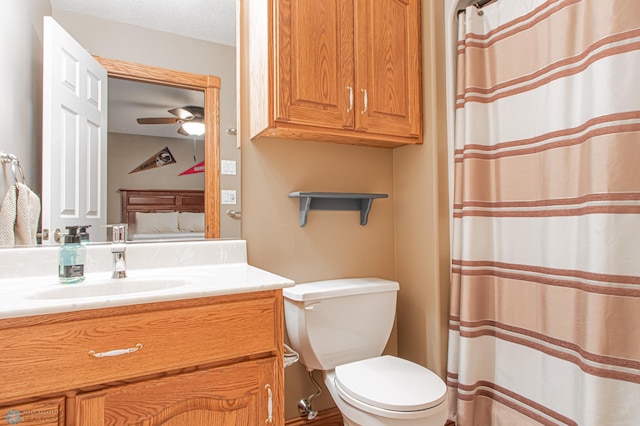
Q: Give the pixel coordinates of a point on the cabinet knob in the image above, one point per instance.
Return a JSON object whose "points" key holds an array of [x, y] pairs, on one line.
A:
{"points": [[350, 89], [365, 101]]}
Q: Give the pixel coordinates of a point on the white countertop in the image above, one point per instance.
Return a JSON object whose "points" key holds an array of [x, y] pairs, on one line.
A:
{"points": [[187, 270]]}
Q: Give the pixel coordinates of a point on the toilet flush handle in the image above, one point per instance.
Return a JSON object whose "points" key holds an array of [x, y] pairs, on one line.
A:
{"points": [[311, 306]]}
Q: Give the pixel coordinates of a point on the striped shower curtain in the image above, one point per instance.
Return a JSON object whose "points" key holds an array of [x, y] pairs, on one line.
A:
{"points": [[545, 293]]}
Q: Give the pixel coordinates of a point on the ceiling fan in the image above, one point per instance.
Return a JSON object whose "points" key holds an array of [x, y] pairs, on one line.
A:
{"points": [[190, 118]]}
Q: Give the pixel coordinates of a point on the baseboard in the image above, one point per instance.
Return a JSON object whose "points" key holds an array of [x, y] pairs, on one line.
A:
{"points": [[330, 417]]}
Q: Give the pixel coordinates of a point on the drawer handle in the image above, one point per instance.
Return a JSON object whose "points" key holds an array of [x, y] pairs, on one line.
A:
{"points": [[350, 89], [115, 352], [269, 405]]}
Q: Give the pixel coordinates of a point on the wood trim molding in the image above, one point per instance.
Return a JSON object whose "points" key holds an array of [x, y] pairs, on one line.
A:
{"points": [[330, 417], [208, 84]]}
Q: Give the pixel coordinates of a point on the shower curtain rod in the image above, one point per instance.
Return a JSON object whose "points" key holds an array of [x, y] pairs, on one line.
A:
{"points": [[481, 3], [478, 5]]}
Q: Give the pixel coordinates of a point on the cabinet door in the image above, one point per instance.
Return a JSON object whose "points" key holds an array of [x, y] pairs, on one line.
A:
{"points": [[239, 394], [388, 67], [48, 412], [314, 66]]}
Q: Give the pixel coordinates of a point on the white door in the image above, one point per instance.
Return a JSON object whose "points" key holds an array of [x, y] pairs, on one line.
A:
{"points": [[74, 162]]}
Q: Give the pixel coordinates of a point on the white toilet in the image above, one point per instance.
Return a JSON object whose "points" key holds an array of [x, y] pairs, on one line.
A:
{"points": [[341, 327]]}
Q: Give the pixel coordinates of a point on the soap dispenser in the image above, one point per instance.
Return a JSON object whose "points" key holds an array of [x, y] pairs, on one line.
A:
{"points": [[72, 257]]}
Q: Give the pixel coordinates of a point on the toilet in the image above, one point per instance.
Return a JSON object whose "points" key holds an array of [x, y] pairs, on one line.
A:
{"points": [[341, 327]]}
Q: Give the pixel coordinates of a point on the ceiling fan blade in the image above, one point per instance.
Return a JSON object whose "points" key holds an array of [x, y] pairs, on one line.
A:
{"points": [[182, 113], [197, 111], [188, 112], [158, 120]]}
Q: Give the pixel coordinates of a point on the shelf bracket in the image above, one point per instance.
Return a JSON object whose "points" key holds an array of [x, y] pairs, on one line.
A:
{"points": [[335, 201]]}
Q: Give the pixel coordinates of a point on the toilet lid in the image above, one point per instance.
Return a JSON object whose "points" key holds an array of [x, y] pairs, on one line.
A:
{"points": [[391, 383]]}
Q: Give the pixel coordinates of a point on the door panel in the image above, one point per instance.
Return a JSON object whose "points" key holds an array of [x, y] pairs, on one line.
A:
{"points": [[74, 135]]}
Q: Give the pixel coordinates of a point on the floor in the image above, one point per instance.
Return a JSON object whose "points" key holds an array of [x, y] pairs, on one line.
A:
{"points": [[330, 417]]}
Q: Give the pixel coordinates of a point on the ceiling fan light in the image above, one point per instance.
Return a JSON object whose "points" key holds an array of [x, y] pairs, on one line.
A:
{"points": [[193, 128]]}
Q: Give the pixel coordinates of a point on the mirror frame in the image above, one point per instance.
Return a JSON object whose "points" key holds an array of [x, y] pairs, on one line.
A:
{"points": [[208, 84]]}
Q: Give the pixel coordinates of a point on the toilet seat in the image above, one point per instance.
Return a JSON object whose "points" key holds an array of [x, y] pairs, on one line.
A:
{"points": [[390, 387]]}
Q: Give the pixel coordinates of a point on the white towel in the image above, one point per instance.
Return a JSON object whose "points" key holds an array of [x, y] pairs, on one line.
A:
{"points": [[27, 215], [19, 216], [8, 213]]}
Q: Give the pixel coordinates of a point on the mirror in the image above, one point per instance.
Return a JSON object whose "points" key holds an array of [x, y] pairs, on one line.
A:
{"points": [[210, 87], [143, 120]]}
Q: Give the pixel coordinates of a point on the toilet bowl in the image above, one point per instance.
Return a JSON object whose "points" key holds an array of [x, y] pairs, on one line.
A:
{"points": [[341, 327], [387, 390]]}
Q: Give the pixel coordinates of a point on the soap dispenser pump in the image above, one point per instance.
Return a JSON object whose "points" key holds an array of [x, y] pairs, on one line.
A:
{"points": [[83, 233], [72, 257]]}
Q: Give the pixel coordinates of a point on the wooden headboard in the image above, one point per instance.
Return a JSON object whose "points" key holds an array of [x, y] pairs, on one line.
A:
{"points": [[159, 201]]}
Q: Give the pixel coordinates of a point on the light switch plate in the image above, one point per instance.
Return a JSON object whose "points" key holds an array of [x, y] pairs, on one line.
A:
{"points": [[228, 196], [228, 167]]}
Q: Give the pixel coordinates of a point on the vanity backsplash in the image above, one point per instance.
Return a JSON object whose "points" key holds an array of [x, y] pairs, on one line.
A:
{"points": [[43, 260]]}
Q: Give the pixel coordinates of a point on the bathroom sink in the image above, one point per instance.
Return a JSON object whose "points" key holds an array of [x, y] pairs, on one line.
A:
{"points": [[106, 287]]}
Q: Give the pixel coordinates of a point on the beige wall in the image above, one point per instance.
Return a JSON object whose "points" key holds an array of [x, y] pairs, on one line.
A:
{"points": [[332, 244], [126, 152], [406, 238], [21, 88], [421, 214]]}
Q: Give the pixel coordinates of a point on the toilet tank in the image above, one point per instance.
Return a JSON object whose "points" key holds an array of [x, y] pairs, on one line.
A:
{"points": [[334, 322]]}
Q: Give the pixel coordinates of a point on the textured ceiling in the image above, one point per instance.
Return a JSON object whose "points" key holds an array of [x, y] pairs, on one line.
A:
{"points": [[210, 20]]}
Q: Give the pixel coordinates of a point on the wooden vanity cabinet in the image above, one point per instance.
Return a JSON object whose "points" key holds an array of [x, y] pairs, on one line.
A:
{"points": [[346, 71], [209, 361]]}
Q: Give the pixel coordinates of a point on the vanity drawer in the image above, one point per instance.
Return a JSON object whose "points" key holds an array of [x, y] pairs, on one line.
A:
{"points": [[48, 358]]}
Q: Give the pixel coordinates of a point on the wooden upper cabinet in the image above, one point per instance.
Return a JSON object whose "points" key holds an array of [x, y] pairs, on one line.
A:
{"points": [[345, 71]]}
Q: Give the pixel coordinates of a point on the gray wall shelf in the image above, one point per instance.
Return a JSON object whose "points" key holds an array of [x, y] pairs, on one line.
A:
{"points": [[335, 201]]}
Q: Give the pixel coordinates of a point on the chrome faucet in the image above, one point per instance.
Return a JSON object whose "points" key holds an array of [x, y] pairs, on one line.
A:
{"points": [[118, 246]]}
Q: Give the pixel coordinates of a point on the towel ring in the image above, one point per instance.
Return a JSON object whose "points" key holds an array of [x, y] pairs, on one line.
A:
{"points": [[15, 161], [13, 167]]}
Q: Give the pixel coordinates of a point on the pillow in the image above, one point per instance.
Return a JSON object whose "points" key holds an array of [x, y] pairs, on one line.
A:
{"points": [[191, 222], [153, 223]]}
